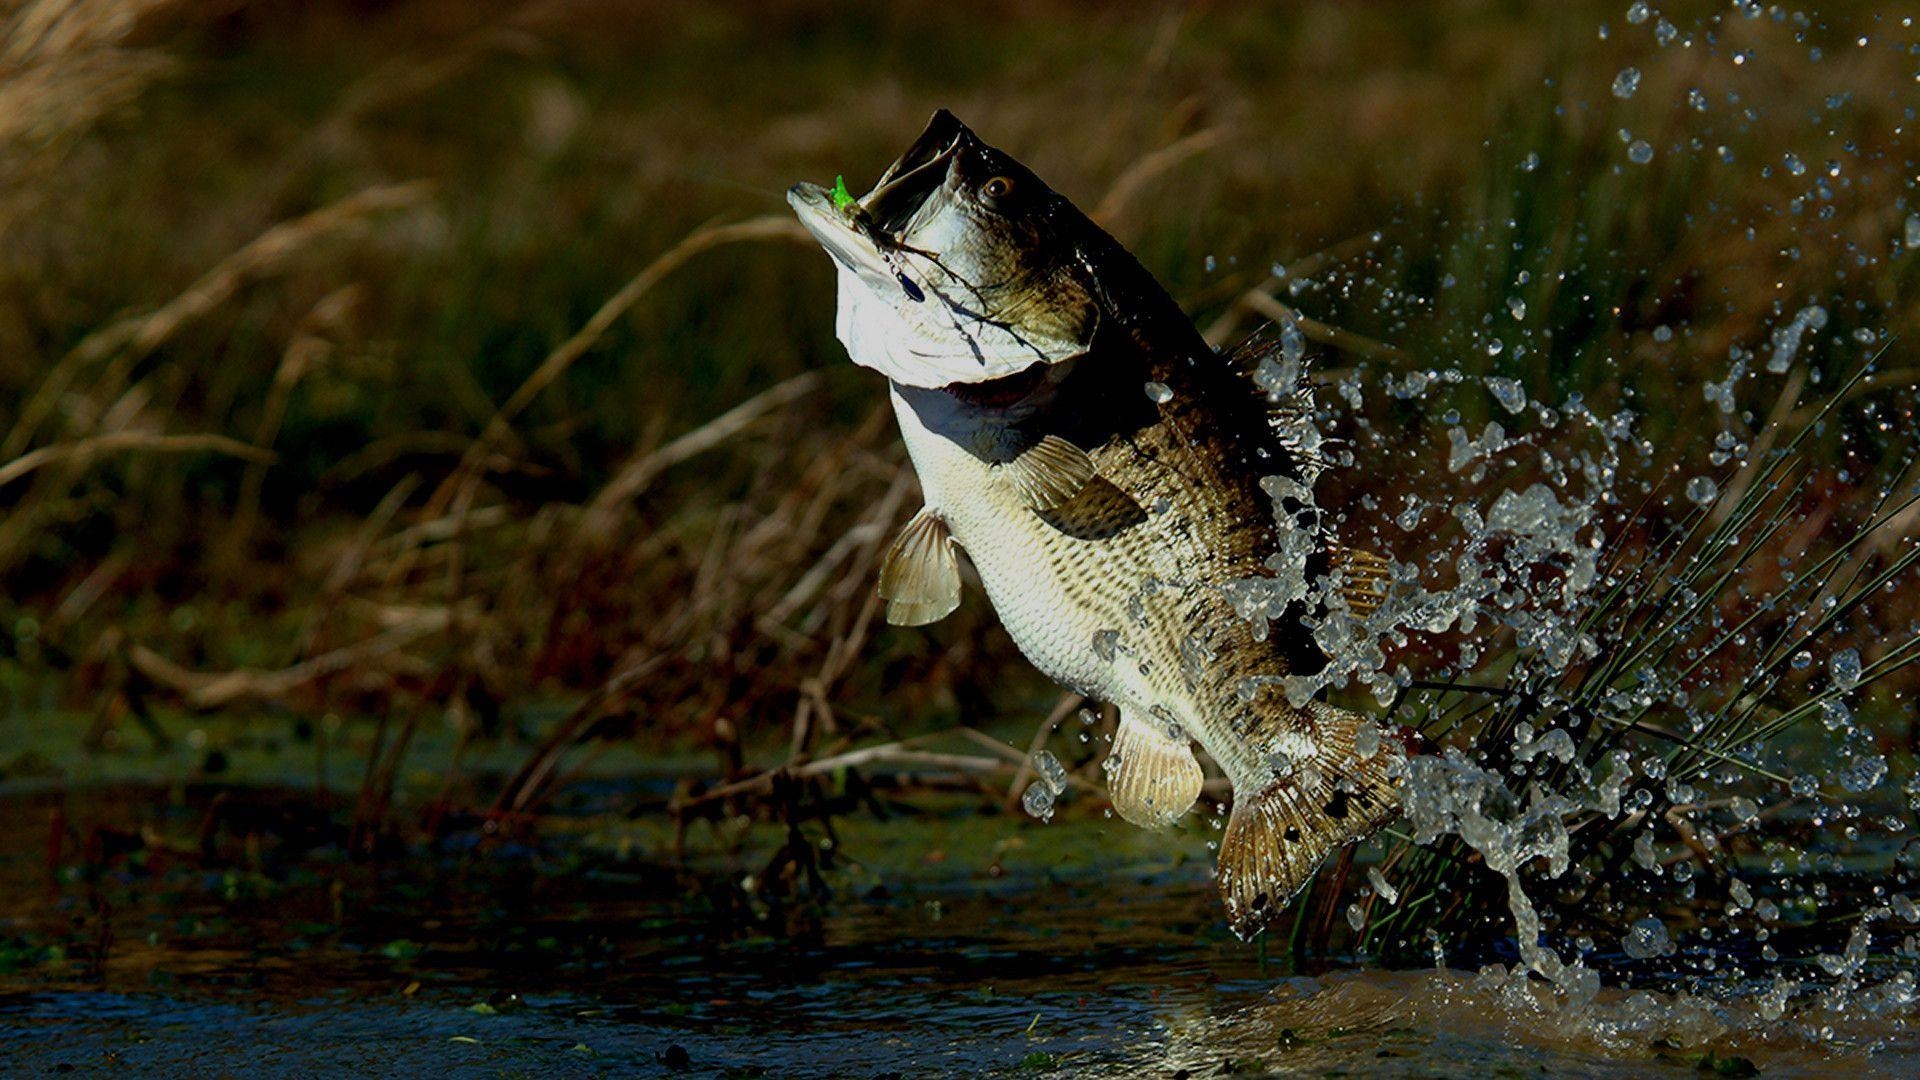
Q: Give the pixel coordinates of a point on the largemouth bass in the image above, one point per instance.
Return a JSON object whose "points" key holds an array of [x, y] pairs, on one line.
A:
{"points": [[1120, 487]]}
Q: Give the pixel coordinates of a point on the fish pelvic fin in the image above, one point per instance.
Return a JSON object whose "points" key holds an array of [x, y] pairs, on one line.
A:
{"points": [[920, 578], [1364, 577], [1152, 775], [1277, 838], [1049, 473]]}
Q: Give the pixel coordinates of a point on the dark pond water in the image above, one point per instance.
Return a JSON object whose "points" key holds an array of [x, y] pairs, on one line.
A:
{"points": [[953, 944]]}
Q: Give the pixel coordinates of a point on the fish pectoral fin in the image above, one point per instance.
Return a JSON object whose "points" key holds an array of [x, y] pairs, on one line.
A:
{"points": [[1049, 473], [1152, 775], [1278, 836], [1101, 510], [920, 578], [1364, 577]]}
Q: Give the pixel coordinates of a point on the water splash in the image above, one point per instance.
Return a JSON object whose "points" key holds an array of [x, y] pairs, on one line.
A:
{"points": [[1050, 782]]}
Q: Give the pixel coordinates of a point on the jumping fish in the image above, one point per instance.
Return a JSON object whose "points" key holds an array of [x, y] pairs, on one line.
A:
{"points": [[1117, 484]]}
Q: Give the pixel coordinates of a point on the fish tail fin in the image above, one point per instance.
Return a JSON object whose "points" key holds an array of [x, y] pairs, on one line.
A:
{"points": [[1276, 838]]}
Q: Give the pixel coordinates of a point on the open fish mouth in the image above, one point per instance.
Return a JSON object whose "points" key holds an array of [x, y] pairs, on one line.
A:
{"points": [[903, 190], [836, 230], [864, 234], [932, 291]]}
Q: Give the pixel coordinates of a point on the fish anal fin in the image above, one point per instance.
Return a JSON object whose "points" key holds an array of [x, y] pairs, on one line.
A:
{"points": [[1364, 577], [920, 577], [1049, 473], [1100, 511], [1277, 837], [1152, 775]]}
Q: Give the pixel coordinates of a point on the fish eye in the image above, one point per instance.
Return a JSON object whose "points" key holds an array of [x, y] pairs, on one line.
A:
{"points": [[997, 189]]}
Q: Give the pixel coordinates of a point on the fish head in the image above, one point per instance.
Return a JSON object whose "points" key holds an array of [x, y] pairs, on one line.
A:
{"points": [[960, 266]]}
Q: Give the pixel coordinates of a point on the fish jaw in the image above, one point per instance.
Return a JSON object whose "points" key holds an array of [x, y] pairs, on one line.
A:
{"points": [[939, 283], [851, 251], [899, 314]]}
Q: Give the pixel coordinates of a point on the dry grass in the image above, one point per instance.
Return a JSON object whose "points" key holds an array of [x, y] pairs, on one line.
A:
{"points": [[534, 395]]}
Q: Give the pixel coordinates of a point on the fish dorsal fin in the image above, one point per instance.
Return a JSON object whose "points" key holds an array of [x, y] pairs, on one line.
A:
{"points": [[920, 579], [1277, 836], [1152, 776], [1364, 577], [1049, 472]]}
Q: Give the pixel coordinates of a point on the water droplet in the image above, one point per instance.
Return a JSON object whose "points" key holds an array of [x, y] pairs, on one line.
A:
{"points": [[1517, 308], [1639, 12], [1160, 393], [1913, 232], [1701, 490], [1643, 852], [1647, 939], [1381, 886], [1625, 83], [1532, 162], [1038, 801], [1641, 152], [1786, 339], [1697, 100], [1052, 773], [1105, 644], [1508, 392], [1863, 773], [1844, 668], [1366, 742], [1834, 714], [1050, 782], [1795, 165]]}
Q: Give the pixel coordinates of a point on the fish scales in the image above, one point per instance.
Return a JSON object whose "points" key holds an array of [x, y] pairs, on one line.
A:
{"points": [[1108, 524]]}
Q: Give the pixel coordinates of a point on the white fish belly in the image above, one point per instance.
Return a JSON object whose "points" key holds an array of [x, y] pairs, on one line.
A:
{"points": [[1054, 621]]}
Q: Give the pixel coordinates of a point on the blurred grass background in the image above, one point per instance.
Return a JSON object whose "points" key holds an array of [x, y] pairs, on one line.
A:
{"points": [[378, 366]]}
